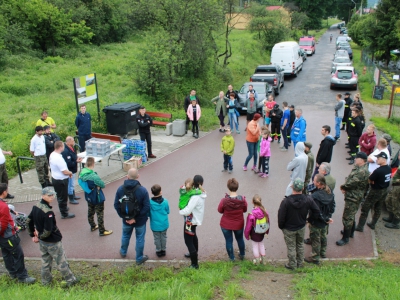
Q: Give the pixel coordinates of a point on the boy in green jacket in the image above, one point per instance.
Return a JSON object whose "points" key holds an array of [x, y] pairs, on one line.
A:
{"points": [[227, 147]]}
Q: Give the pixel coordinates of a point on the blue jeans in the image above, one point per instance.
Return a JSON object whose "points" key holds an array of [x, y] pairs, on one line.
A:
{"points": [[140, 232], [229, 241], [252, 148], [233, 118], [285, 137], [338, 123], [228, 162], [71, 184]]}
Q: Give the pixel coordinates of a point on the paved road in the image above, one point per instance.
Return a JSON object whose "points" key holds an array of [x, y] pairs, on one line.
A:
{"points": [[310, 90]]}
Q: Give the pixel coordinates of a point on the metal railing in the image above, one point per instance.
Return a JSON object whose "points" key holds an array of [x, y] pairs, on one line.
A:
{"points": [[19, 167]]}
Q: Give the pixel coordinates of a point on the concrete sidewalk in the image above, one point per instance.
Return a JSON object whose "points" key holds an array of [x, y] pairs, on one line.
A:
{"points": [[30, 189]]}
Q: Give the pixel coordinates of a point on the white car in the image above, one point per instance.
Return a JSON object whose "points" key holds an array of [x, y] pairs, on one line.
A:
{"points": [[340, 61], [344, 77]]}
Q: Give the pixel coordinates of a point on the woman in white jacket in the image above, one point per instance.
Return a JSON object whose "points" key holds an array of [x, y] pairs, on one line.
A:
{"points": [[196, 208]]}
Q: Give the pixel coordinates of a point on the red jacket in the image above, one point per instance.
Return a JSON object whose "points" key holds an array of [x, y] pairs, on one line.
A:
{"points": [[232, 210], [7, 228], [367, 143]]}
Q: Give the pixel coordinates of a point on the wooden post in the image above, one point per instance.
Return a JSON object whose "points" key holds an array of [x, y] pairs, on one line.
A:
{"points": [[391, 101]]}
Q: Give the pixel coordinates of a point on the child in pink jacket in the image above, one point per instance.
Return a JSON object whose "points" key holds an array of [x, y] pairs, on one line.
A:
{"points": [[257, 239], [265, 153], [194, 114]]}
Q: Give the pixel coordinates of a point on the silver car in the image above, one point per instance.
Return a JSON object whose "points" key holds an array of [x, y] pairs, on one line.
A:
{"points": [[263, 90], [341, 53], [340, 61], [344, 77]]}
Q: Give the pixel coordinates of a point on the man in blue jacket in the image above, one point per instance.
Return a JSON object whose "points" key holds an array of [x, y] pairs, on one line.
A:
{"points": [[139, 223], [298, 131], [83, 123]]}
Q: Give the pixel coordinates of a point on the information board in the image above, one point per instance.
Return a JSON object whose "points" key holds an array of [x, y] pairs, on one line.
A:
{"points": [[378, 92]]}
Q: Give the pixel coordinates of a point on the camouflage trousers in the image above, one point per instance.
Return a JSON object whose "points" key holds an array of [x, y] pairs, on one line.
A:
{"points": [[393, 201], [295, 246], [349, 213], [3, 174], [50, 252], [42, 168], [318, 242], [374, 200], [99, 210]]}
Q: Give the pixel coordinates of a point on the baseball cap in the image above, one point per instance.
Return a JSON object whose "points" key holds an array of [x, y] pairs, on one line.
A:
{"points": [[298, 185], [308, 145], [347, 93], [361, 155], [276, 106], [48, 191], [383, 155], [387, 137], [291, 106]]}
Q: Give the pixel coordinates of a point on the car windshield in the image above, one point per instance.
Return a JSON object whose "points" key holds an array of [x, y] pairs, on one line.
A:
{"points": [[266, 70], [305, 43], [341, 53], [259, 88], [344, 45], [342, 60], [344, 74]]}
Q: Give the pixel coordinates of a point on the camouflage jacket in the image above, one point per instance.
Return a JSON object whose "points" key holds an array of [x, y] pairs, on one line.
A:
{"points": [[356, 183], [310, 165]]}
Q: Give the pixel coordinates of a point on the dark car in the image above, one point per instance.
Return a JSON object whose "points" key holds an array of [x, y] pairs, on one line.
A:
{"points": [[263, 90], [303, 54]]}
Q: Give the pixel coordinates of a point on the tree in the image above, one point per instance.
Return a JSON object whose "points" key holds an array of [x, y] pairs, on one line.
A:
{"points": [[314, 9]]}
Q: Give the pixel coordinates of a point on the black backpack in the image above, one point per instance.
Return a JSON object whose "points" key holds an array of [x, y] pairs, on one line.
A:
{"points": [[130, 207]]}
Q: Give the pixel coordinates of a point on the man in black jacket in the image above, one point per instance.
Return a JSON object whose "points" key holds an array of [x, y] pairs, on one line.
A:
{"points": [[292, 118], [276, 116], [187, 102], [72, 160], [354, 132], [42, 227], [49, 138], [292, 217], [325, 200], [325, 148], [347, 111], [145, 122]]}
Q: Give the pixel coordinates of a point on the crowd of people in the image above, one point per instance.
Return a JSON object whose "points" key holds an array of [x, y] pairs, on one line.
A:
{"points": [[309, 196]]}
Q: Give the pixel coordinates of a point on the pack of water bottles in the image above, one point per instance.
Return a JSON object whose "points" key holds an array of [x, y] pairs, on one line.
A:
{"points": [[134, 148], [98, 147]]}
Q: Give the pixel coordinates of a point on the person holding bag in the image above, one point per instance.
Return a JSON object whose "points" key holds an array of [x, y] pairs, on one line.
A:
{"points": [[90, 181]]}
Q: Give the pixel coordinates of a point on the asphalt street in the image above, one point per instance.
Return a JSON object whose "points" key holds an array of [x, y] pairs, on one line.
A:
{"points": [[309, 91]]}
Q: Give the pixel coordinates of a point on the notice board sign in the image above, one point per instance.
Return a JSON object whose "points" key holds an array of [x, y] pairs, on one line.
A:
{"points": [[85, 88], [378, 92]]}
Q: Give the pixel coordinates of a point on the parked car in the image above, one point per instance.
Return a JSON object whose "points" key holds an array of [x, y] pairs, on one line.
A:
{"points": [[341, 53], [307, 43], [287, 56], [272, 74], [347, 37], [303, 54], [340, 61], [343, 29], [340, 39], [347, 47], [340, 25], [344, 77], [263, 90]]}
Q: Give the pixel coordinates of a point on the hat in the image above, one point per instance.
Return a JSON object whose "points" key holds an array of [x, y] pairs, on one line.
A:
{"points": [[291, 106], [46, 127], [347, 94], [48, 191], [308, 145], [276, 106], [383, 155], [256, 116], [387, 137], [298, 185], [192, 98], [361, 155]]}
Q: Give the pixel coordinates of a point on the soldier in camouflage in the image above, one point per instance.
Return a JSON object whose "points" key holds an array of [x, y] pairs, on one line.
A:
{"points": [[310, 165], [393, 203], [43, 229], [353, 189], [379, 182]]}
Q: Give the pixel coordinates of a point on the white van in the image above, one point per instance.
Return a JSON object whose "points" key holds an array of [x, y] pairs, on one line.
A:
{"points": [[287, 55]]}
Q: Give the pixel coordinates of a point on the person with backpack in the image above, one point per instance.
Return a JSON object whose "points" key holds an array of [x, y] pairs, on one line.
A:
{"points": [[325, 200], [257, 226], [132, 204], [92, 186]]}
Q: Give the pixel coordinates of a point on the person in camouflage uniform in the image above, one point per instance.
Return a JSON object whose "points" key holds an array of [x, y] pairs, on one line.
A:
{"points": [[353, 189], [43, 229], [379, 182], [96, 206], [325, 200], [310, 165], [393, 203]]}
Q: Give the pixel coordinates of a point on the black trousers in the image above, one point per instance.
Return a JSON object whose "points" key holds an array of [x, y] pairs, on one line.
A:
{"points": [[82, 139], [221, 118], [61, 189], [13, 257], [146, 136], [191, 241], [195, 127], [353, 143], [276, 130]]}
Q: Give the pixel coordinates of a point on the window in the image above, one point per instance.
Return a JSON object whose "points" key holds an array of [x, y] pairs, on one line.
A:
{"points": [[344, 74]]}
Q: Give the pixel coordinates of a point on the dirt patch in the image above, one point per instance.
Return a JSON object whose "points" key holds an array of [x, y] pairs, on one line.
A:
{"points": [[391, 256], [268, 285]]}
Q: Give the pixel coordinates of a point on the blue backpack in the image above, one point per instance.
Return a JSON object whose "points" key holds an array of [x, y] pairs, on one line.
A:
{"points": [[93, 195]]}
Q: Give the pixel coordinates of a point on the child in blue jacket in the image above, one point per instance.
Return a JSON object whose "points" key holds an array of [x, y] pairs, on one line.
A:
{"points": [[159, 210]]}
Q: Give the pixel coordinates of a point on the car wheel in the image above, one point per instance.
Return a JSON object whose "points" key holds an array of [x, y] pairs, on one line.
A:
{"points": [[331, 87], [283, 83], [295, 75], [356, 88]]}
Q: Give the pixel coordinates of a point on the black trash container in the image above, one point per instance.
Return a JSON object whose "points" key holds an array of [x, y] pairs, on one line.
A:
{"points": [[121, 118]]}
